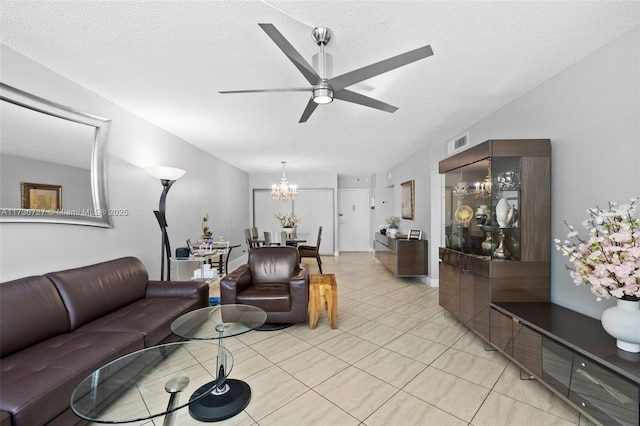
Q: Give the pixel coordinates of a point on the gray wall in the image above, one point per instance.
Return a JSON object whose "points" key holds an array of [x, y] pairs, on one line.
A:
{"points": [[210, 186], [591, 113]]}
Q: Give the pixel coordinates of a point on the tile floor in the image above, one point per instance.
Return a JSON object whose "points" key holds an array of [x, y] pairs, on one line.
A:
{"points": [[396, 359]]}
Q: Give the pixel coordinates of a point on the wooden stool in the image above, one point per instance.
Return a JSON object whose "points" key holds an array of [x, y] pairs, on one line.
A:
{"points": [[323, 290]]}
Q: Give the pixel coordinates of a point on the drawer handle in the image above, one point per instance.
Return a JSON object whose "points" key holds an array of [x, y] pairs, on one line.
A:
{"points": [[624, 399]]}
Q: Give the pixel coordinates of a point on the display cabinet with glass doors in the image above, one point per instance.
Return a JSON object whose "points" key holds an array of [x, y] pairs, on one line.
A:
{"points": [[496, 227]]}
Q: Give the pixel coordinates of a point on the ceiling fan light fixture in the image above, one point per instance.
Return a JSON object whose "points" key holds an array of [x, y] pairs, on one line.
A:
{"points": [[322, 95]]}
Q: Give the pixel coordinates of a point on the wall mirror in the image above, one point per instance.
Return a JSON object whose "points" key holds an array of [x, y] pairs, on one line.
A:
{"points": [[52, 162], [408, 200]]}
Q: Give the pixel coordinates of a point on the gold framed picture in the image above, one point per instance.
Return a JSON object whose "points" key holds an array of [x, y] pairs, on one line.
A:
{"points": [[41, 196], [408, 200]]}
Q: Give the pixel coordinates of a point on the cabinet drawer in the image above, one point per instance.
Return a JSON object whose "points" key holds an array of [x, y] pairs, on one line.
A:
{"points": [[449, 256], [603, 394], [501, 331], [557, 364], [527, 348], [476, 265]]}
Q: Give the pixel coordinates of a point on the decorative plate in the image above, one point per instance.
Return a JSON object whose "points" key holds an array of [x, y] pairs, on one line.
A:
{"points": [[464, 214]]}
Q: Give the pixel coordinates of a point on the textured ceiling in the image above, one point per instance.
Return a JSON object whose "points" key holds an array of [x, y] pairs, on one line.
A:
{"points": [[167, 60]]}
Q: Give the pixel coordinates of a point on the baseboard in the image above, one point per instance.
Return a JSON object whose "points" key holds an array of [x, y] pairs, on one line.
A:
{"points": [[431, 282]]}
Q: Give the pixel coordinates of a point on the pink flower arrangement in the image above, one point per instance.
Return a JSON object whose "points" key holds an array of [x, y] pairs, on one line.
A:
{"points": [[609, 261], [288, 220]]}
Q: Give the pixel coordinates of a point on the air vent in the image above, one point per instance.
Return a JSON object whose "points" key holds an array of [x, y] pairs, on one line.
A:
{"points": [[458, 144]]}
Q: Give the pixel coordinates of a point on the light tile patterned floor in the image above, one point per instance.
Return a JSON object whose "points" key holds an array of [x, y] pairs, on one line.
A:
{"points": [[396, 359]]}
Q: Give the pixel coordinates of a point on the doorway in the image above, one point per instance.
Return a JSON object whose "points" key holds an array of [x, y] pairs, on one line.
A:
{"points": [[353, 219]]}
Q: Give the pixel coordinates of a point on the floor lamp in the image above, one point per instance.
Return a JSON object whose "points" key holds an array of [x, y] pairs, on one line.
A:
{"points": [[167, 176]]}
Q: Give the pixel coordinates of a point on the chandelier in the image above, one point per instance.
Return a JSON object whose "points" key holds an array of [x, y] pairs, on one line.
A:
{"points": [[284, 191], [483, 189]]}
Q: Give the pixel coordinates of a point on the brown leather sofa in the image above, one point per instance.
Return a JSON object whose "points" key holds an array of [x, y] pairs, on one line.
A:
{"points": [[58, 328], [273, 280]]}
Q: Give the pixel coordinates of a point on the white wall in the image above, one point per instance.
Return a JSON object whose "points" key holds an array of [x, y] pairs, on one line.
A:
{"points": [[591, 113], [303, 181], [210, 186]]}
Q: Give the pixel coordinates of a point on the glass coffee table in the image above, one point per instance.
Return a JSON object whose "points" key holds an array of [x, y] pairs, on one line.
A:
{"points": [[224, 398], [135, 386]]}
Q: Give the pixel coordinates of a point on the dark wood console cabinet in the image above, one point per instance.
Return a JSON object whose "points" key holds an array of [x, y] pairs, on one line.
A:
{"points": [[504, 295], [404, 258], [573, 356]]}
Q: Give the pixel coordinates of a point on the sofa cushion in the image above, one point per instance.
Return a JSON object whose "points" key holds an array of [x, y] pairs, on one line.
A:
{"points": [[96, 290], [151, 317], [31, 311], [270, 297], [272, 264], [37, 382]]}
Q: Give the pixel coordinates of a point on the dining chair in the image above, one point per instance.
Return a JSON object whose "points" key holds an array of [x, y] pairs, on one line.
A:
{"points": [[275, 238], [254, 232], [306, 250], [247, 237]]}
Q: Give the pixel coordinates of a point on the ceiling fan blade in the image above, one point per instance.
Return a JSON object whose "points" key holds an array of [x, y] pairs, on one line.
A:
{"points": [[303, 66], [364, 73], [311, 106], [291, 89], [357, 98]]}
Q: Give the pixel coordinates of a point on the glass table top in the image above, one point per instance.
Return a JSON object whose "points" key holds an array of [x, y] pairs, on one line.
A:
{"points": [[139, 386], [218, 322]]}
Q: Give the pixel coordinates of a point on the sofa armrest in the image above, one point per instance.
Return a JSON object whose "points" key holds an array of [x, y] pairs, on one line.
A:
{"points": [[300, 276], [300, 284], [183, 289], [5, 418], [234, 283]]}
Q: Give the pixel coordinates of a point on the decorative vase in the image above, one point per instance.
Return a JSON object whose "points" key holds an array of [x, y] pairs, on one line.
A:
{"points": [[288, 231], [623, 322], [481, 214], [488, 245], [392, 231], [512, 244], [503, 212], [501, 252]]}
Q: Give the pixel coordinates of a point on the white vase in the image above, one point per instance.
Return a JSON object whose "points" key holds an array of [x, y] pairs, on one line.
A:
{"points": [[392, 232], [623, 322], [503, 209]]}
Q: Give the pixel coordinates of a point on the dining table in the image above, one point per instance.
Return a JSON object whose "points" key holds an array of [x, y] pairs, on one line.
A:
{"points": [[292, 239]]}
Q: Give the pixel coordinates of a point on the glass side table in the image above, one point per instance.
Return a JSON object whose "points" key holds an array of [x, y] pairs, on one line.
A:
{"points": [[227, 397], [130, 388]]}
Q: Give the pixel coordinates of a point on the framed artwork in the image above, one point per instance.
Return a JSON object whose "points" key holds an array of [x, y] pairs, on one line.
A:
{"points": [[415, 234], [408, 200], [41, 196]]}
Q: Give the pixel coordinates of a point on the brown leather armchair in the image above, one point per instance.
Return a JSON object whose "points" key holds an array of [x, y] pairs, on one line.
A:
{"points": [[273, 280]]}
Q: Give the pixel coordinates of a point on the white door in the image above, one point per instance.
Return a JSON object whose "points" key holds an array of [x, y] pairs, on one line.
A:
{"points": [[353, 217], [315, 207]]}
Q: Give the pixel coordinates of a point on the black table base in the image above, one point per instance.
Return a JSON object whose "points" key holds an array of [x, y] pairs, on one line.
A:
{"points": [[214, 408]]}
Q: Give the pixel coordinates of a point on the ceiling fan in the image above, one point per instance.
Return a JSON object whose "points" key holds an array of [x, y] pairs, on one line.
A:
{"points": [[325, 90]]}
